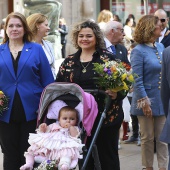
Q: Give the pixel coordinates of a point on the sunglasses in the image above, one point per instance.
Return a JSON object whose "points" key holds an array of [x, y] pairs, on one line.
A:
{"points": [[162, 20]]}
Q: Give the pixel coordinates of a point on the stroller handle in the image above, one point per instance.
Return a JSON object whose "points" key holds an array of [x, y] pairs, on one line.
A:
{"points": [[103, 116], [107, 97]]}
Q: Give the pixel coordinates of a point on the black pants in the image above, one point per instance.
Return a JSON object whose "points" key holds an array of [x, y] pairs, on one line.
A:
{"points": [[135, 123], [63, 50], [107, 145], [14, 142]]}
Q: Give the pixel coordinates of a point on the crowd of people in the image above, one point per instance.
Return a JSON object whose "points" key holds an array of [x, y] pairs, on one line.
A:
{"points": [[27, 66]]}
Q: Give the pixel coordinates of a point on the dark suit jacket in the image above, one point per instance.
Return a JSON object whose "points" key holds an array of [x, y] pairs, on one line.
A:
{"points": [[122, 53], [63, 32], [166, 40], [165, 94]]}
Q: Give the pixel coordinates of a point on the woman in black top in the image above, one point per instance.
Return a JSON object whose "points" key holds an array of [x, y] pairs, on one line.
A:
{"points": [[78, 68], [63, 30], [24, 73]]}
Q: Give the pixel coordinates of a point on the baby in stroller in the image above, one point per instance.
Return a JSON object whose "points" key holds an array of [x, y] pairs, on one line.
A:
{"points": [[58, 141]]}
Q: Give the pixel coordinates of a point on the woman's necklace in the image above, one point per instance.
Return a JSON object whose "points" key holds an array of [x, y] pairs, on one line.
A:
{"points": [[84, 67], [15, 49]]}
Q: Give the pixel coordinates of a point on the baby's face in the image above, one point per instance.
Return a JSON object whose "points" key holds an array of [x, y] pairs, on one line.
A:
{"points": [[67, 119]]}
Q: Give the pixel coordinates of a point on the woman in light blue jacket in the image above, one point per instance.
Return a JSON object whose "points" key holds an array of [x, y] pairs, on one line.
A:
{"points": [[146, 60], [38, 24]]}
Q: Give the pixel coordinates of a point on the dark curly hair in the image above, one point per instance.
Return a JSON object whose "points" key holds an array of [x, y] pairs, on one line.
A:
{"points": [[96, 30]]}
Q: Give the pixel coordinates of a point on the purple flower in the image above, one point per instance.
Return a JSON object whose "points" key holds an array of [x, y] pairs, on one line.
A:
{"points": [[48, 161], [109, 72], [105, 69]]}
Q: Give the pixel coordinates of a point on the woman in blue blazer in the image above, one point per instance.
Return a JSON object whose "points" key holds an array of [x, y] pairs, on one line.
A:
{"points": [[146, 59], [24, 72]]}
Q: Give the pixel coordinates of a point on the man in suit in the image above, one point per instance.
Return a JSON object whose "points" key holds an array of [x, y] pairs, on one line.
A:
{"points": [[165, 95], [165, 38], [114, 35]]}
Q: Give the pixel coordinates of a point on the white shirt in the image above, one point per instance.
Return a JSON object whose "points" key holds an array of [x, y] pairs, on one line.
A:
{"points": [[128, 32], [108, 44], [102, 25], [162, 36]]}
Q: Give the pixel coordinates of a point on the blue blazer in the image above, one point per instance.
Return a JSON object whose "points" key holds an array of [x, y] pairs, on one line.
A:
{"points": [[147, 66], [33, 75]]}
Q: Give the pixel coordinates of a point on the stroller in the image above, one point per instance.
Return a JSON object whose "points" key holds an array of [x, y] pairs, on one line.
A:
{"points": [[72, 95]]}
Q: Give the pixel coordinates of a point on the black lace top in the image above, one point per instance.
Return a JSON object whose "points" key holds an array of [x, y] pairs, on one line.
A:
{"points": [[71, 71]]}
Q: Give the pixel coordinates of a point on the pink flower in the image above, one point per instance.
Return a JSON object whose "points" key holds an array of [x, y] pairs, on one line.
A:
{"points": [[105, 69], [1, 102]]}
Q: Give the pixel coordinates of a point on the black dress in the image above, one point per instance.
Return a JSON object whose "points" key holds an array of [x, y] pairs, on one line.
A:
{"points": [[107, 141]]}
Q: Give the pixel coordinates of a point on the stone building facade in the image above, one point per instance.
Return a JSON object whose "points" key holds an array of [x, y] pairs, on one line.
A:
{"points": [[75, 11], [3, 9], [72, 10]]}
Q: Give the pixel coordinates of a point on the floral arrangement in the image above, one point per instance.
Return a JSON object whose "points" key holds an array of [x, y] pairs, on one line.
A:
{"points": [[3, 102], [114, 75], [47, 165]]}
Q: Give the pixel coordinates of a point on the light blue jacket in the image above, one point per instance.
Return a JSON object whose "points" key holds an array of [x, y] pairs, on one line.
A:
{"points": [[51, 56], [33, 75], [146, 64]]}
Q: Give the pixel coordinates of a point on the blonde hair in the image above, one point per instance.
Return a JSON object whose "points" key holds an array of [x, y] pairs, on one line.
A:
{"points": [[95, 28], [28, 36], [145, 29], [63, 21], [104, 16], [34, 20]]}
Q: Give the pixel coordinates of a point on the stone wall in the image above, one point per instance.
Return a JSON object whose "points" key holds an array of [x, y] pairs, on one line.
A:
{"points": [[50, 8], [75, 11], [3, 9]]}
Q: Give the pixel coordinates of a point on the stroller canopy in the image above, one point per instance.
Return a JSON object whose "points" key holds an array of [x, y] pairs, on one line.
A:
{"points": [[89, 110]]}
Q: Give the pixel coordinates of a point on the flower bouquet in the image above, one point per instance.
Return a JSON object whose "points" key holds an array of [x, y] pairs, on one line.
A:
{"points": [[114, 75], [47, 165], [3, 103]]}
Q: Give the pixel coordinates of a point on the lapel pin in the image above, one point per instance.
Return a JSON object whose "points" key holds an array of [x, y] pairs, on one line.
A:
{"points": [[26, 49], [120, 52]]}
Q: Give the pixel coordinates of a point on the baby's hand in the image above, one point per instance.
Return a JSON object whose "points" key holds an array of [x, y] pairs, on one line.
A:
{"points": [[64, 167], [43, 127], [73, 131]]}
